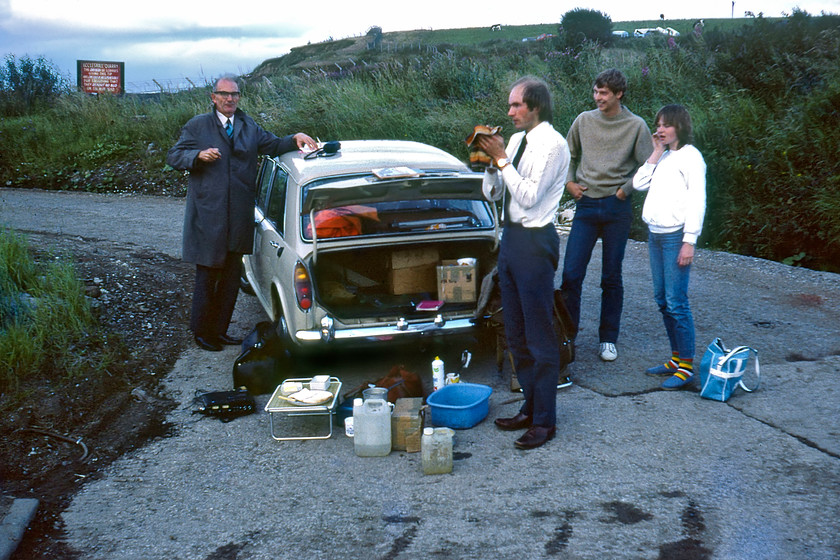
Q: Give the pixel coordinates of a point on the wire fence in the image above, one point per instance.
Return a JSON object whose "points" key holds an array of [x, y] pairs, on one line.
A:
{"points": [[169, 85]]}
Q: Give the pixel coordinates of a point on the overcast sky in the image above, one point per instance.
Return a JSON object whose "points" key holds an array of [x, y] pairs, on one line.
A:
{"points": [[176, 39]]}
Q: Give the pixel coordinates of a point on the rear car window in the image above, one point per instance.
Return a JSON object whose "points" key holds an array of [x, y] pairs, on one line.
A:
{"points": [[398, 217]]}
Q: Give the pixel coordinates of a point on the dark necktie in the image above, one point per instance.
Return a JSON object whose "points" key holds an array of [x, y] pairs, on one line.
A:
{"points": [[519, 152], [229, 128], [516, 159]]}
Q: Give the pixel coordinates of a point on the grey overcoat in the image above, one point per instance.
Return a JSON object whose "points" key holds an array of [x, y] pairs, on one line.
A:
{"points": [[219, 215]]}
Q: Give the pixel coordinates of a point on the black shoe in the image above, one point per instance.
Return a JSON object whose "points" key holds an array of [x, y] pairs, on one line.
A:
{"points": [[207, 344], [228, 340], [518, 422], [535, 437]]}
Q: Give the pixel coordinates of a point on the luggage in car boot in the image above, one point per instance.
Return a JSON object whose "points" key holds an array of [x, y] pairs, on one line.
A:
{"points": [[264, 358]]}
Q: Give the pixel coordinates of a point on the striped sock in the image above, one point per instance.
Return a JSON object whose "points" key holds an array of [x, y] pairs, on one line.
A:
{"points": [[674, 362], [686, 366], [682, 374]]}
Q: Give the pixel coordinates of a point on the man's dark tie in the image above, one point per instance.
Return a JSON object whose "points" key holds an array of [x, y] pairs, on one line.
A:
{"points": [[519, 152], [229, 128], [516, 159]]}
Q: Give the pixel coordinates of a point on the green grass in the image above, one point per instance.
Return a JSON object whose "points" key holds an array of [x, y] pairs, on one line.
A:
{"points": [[46, 325], [764, 95], [480, 35]]}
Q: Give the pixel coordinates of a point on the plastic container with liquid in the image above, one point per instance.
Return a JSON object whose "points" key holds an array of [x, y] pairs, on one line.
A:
{"points": [[375, 393], [372, 428], [438, 374], [436, 450]]}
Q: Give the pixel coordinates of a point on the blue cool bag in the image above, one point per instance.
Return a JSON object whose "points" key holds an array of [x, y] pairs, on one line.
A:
{"points": [[722, 370]]}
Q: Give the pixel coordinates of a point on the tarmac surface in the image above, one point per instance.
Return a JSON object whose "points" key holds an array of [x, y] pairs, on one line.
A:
{"points": [[634, 471]]}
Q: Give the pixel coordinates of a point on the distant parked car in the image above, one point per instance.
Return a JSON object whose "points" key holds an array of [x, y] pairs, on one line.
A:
{"points": [[384, 240], [619, 33], [645, 31]]}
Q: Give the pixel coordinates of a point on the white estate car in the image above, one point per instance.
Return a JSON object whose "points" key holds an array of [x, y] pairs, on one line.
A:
{"points": [[402, 240]]}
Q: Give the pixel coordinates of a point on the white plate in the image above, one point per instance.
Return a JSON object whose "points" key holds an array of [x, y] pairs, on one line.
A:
{"points": [[308, 396]]}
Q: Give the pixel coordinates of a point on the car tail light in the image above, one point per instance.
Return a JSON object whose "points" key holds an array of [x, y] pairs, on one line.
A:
{"points": [[303, 287]]}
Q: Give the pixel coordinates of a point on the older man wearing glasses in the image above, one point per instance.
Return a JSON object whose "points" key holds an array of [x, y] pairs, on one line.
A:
{"points": [[220, 150]]}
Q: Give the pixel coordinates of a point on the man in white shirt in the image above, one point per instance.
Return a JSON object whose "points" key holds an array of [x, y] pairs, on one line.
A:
{"points": [[534, 179]]}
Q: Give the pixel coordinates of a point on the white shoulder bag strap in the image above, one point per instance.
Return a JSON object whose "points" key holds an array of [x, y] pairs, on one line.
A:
{"points": [[741, 383]]}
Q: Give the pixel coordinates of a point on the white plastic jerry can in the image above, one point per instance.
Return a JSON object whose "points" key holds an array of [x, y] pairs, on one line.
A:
{"points": [[436, 450], [372, 428]]}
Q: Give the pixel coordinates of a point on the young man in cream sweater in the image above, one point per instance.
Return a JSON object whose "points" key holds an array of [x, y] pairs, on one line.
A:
{"points": [[607, 146]]}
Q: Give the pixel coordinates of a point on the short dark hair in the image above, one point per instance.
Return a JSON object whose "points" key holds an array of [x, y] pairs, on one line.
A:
{"points": [[612, 79], [535, 93], [678, 117]]}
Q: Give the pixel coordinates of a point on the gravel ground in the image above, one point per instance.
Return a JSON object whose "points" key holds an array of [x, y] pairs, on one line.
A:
{"points": [[632, 474]]}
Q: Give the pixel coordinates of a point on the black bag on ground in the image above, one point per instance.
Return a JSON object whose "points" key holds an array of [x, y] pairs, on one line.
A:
{"points": [[564, 327], [224, 405], [264, 358], [490, 305], [565, 331]]}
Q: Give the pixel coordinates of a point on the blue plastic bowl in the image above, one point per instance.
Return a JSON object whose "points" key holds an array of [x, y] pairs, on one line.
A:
{"points": [[459, 405]]}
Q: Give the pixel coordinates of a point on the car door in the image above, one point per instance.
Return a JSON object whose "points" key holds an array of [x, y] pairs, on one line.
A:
{"points": [[251, 261], [270, 243]]}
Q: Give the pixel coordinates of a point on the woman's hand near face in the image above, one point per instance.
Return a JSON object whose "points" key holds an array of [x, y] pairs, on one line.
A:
{"points": [[658, 148]]}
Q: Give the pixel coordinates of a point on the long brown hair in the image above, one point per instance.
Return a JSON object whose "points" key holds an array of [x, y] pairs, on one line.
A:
{"points": [[678, 117]]}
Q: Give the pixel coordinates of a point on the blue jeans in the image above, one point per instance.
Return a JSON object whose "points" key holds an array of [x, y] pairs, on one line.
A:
{"points": [[528, 259], [670, 290], [608, 219]]}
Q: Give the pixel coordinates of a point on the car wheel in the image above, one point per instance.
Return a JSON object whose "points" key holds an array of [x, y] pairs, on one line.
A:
{"points": [[280, 324]]}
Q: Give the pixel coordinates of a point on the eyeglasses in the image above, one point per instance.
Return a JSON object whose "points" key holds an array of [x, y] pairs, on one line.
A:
{"points": [[233, 94]]}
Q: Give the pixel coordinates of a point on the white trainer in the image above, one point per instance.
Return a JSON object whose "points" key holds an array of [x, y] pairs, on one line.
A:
{"points": [[607, 352]]}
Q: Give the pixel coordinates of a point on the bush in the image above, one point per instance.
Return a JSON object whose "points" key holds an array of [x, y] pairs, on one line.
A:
{"points": [[27, 84], [581, 25]]}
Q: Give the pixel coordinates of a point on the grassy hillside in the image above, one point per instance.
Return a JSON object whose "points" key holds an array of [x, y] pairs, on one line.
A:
{"points": [[764, 96], [329, 53]]}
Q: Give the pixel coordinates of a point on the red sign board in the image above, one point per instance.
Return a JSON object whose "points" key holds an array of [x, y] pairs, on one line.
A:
{"points": [[100, 77]]}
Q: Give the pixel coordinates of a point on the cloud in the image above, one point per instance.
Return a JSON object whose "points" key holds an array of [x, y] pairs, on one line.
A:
{"points": [[168, 40]]}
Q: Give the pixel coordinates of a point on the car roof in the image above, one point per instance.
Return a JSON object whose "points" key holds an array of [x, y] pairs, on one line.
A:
{"points": [[362, 156]]}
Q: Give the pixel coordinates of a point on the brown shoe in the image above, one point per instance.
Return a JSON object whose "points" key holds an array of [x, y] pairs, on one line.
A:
{"points": [[535, 437], [518, 422]]}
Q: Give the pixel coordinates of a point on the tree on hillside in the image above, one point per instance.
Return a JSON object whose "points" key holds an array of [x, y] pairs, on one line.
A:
{"points": [[26, 82], [581, 25], [374, 36]]}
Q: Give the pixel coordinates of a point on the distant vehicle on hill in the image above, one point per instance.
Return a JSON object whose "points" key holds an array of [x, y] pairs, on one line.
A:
{"points": [[645, 31]]}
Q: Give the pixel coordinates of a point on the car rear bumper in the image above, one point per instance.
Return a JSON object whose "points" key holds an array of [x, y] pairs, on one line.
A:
{"points": [[384, 333]]}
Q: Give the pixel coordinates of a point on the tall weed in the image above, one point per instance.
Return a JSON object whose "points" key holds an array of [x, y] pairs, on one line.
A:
{"points": [[45, 320], [763, 96]]}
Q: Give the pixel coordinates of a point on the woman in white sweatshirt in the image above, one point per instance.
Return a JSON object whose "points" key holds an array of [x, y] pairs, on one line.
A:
{"points": [[675, 175]]}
